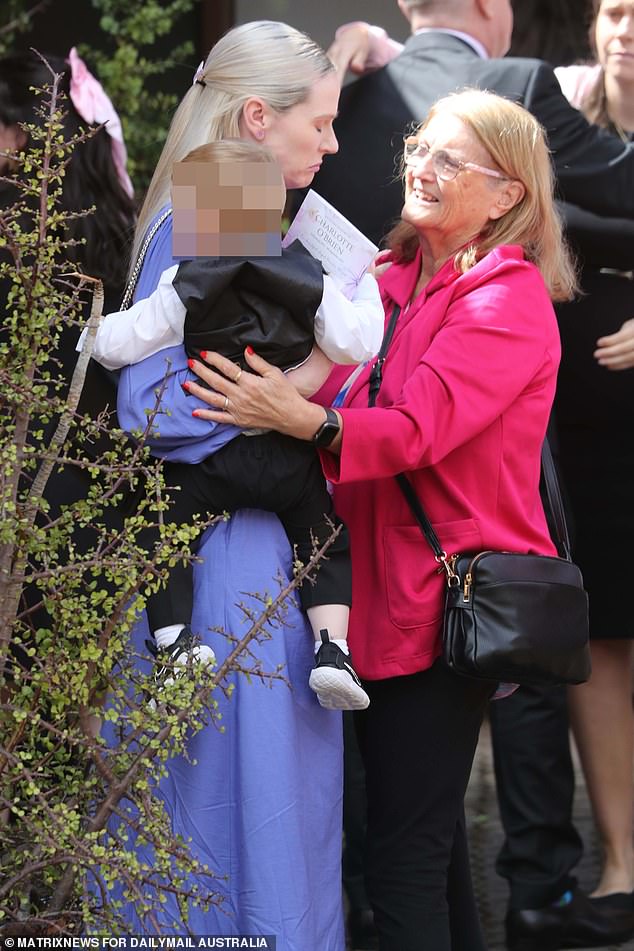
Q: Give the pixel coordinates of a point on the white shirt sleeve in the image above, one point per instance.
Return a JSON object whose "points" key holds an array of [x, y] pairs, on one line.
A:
{"points": [[150, 325], [350, 331]]}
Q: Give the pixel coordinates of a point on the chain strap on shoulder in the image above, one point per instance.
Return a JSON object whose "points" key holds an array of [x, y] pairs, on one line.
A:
{"points": [[136, 270]]}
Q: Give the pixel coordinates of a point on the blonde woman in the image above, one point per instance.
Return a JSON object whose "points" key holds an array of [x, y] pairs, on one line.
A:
{"points": [[260, 801]]}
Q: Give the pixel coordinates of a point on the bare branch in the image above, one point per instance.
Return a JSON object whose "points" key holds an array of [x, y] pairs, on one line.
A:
{"points": [[27, 15]]}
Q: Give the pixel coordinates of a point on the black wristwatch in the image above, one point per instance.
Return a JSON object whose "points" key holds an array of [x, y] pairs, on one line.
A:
{"points": [[328, 430]]}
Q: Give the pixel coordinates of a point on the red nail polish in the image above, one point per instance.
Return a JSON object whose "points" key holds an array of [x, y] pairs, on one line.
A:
{"points": [[195, 412], [190, 363], [250, 351], [186, 385], [203, 354]]}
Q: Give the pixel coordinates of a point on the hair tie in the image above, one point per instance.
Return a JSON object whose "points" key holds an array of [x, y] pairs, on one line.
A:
{"points": [[95, 107], [198, 75]]}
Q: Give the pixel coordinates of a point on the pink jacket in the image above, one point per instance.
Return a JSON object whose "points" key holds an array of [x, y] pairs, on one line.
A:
{"points": [[467, 390]]}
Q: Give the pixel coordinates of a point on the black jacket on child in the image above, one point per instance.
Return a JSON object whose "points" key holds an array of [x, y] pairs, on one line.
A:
{"points": [[268, 303]]}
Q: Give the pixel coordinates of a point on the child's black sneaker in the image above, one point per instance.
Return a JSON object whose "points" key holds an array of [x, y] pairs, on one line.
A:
{"points": [[335, 680], [184, 653]]}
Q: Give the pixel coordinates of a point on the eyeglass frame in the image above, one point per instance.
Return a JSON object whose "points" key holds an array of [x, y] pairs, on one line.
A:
{"points": [[461, 166]]}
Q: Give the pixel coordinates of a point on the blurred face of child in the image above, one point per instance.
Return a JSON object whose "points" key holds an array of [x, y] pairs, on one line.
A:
{"points": [[614, 38], [227, 209]]}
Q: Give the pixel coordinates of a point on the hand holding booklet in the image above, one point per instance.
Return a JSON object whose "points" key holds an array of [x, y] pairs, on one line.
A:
{"points": [[345, 253]]}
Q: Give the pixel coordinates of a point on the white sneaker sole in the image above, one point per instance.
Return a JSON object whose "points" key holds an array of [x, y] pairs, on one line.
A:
{"points": [[336, 690]]}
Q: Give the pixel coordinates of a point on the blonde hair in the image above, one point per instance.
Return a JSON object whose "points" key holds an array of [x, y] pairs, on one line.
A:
{"points": [[229, 150], [517, 144], [264, 58]]}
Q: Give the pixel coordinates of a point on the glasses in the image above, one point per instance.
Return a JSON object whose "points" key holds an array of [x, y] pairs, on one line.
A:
{"points": [[445, 167]]}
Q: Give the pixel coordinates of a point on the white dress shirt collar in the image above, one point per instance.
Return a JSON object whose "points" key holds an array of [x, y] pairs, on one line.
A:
{"points": [[465, 37]]}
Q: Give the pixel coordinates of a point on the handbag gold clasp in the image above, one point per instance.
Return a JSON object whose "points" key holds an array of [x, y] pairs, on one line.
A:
{"points": [[447, 564]]}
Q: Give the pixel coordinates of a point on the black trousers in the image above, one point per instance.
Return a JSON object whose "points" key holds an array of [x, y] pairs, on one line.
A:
{"points": [[354, 818], [535, 788], [535, 785], [272, 472], [418, 739]]}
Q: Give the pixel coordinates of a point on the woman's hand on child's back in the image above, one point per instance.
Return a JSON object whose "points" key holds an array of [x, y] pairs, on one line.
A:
{"points": [[263, 399]]}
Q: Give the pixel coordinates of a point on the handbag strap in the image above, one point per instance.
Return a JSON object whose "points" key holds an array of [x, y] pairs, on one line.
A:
{"points": [[553, 498], [376, 376], [418, 511], [551, 483], [555, 503]]}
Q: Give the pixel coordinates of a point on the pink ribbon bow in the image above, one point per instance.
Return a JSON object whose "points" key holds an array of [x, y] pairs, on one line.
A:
{"points": [[94, 106]]}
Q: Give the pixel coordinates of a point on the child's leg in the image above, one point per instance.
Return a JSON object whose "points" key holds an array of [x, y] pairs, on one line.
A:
{"points": [[169, 609], [212, 486], [334, 618], [296, 489], [283, 475]]}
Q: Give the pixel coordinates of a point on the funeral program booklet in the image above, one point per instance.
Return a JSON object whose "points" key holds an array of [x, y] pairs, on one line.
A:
{"points": [[344, 252]]}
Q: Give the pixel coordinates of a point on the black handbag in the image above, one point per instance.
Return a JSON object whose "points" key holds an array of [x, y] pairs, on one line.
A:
{"points": [[509, 616]]}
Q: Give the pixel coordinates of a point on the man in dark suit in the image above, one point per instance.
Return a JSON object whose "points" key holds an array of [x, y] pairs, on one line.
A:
{"points": [[594, 169], [455, 44]]}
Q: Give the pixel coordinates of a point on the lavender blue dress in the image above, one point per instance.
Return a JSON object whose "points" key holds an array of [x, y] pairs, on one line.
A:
{"points": [[263, 802]]}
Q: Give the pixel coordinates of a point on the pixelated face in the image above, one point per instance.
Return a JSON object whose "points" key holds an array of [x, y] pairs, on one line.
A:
{"points": [[227, 209]]}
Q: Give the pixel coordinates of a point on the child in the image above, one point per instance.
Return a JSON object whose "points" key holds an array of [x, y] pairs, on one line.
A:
{"points": [[279, 303]]}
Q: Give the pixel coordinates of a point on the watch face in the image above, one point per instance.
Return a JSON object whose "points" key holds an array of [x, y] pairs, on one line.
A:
{"points": [[326, 434], [327, 431]]}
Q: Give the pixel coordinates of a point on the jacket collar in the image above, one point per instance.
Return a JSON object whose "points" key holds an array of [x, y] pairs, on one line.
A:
{"points": [[399, 281]]}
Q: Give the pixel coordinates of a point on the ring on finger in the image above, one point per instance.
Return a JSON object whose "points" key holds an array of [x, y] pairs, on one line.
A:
{"points": [[239, 374], [226, 404]]}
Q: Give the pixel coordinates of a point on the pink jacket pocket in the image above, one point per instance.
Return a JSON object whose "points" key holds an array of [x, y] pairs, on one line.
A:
{"points": [[415, 589]]}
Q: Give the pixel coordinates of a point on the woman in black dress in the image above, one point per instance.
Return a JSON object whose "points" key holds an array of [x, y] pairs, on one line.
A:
{"points": [[595, 426]]}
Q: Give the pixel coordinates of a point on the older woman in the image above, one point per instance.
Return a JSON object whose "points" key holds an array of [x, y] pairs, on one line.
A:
{"points": [[467, 389]]}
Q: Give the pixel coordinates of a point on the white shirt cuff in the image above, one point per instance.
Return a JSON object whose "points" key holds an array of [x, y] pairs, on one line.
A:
{"points": [[350, 331]]}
